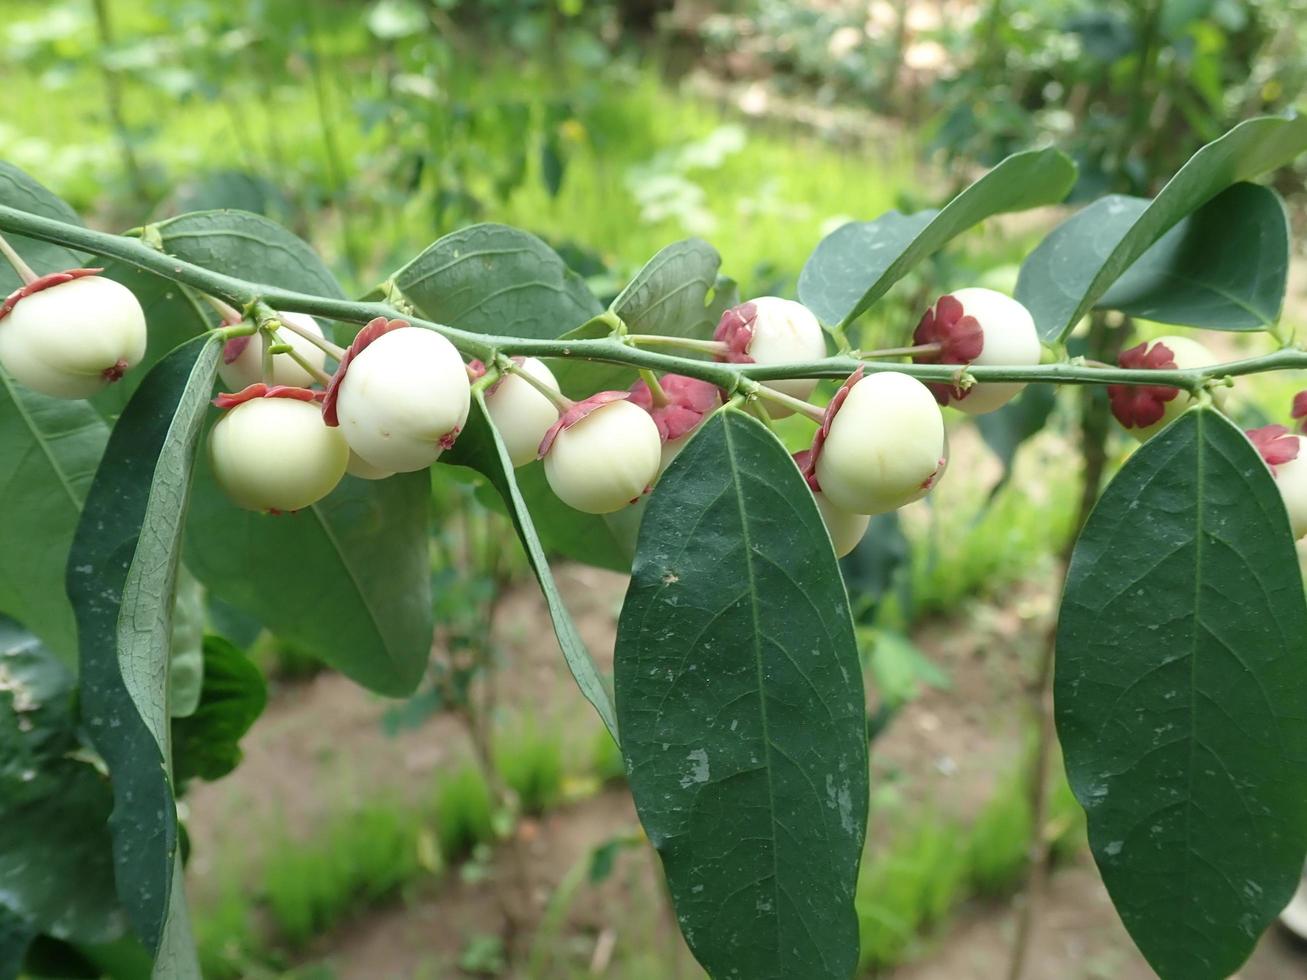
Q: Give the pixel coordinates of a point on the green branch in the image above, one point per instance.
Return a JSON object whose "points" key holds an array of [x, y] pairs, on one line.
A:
{"points": [[614, 350]]}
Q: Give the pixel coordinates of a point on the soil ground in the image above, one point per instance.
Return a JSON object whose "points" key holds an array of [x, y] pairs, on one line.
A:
{"points": [[321, 747]]}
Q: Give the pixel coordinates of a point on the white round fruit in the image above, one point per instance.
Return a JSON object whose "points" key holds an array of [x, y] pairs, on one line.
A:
{"points": [[1187, 354], [885, 445], [1291, 478], [521, 413], [72, 339], [784, 330], [846, 528], [276, 454], [361, 468], [403, 399], [606, 460], [246, 367], [1010, 339]]}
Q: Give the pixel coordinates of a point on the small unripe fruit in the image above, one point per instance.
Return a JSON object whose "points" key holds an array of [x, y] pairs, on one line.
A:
{"points": [[70, 334], [1146, 409], [978, 326], [881, 444], [361, 468], [271, 451], [770, 330], [521, 413], [602, 454], [846, 528], [242, 357], [400, 396], [1286, 455]]}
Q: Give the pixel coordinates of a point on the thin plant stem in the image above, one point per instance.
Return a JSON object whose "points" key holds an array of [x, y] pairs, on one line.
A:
{"points": [[797, 405], [685, 343], [656, 393], [558, 399], [322, 343], [319, 375], [24, 270], [902, 351]]}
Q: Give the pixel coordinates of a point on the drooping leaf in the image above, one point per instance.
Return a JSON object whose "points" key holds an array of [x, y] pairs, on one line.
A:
{"points": [[56, 856], [740, 701], [348, 578], [856, 264], [206, 744], [480, 448], [1076, 264], [121, 575], [496, 279], [18, 190], [1181, 676], [1225, 267], [186, 663]]}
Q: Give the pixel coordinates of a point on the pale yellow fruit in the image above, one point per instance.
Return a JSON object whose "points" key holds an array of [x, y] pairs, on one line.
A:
{"points": [[1010, 340], [606, 460], [1291, 478], [846, 528], [784, 330], [886, 444], [73, 339], [276, 454], [247, 368], [404, 399], [361, 468], [521, 413]]}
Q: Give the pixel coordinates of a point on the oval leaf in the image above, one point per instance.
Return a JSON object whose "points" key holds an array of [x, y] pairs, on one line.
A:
{"points": [[740, 702], [669, 295], [1072, 269], [496, 279], [857, 263], [18, 190], [1225, 267], [480, 448], [121, 576], [1181, 676]]}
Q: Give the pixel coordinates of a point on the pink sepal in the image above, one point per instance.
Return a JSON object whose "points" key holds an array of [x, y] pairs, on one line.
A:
{"points": [[576, 413], [44, 282], [375, 328]]}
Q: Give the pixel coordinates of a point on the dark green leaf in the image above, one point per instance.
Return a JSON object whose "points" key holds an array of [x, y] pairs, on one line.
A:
{"points": [[348, 578], [669, 295], [857, 264], [1181, 679], [1075, 265], [18, 190], [1225, 267], [496, 279], [56, 857], [206, 744], [121, 575], [16, 934], [49, 448], [740, 701], [248, 246], [480, 448], [566, 532]]}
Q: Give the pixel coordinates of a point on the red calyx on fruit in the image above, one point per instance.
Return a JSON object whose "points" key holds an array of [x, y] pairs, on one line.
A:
{"points": [[1136, 406]]}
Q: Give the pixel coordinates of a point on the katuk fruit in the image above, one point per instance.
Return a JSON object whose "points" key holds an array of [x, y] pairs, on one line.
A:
{"points": [[770, 330], [242, 357], [602, 454], [271, 450], [977, 326], [844, 527], [400, 396], [71, 333], [1283, 453], [881, 444], [685, 403], [1146, 409], [520, 412]]}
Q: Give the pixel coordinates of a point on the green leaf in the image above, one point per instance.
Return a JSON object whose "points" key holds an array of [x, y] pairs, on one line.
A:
{"points": [[18, 190], [496, 279], [245, 245], [857, 263], [16, 934], [480, 448], [669, 295], [56, 856], [1225, 267], [740, 701], [49, 448], [1074, 266], [121, 576], [1180, 685], [206, 744], [348, 578], [570, 533]]}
